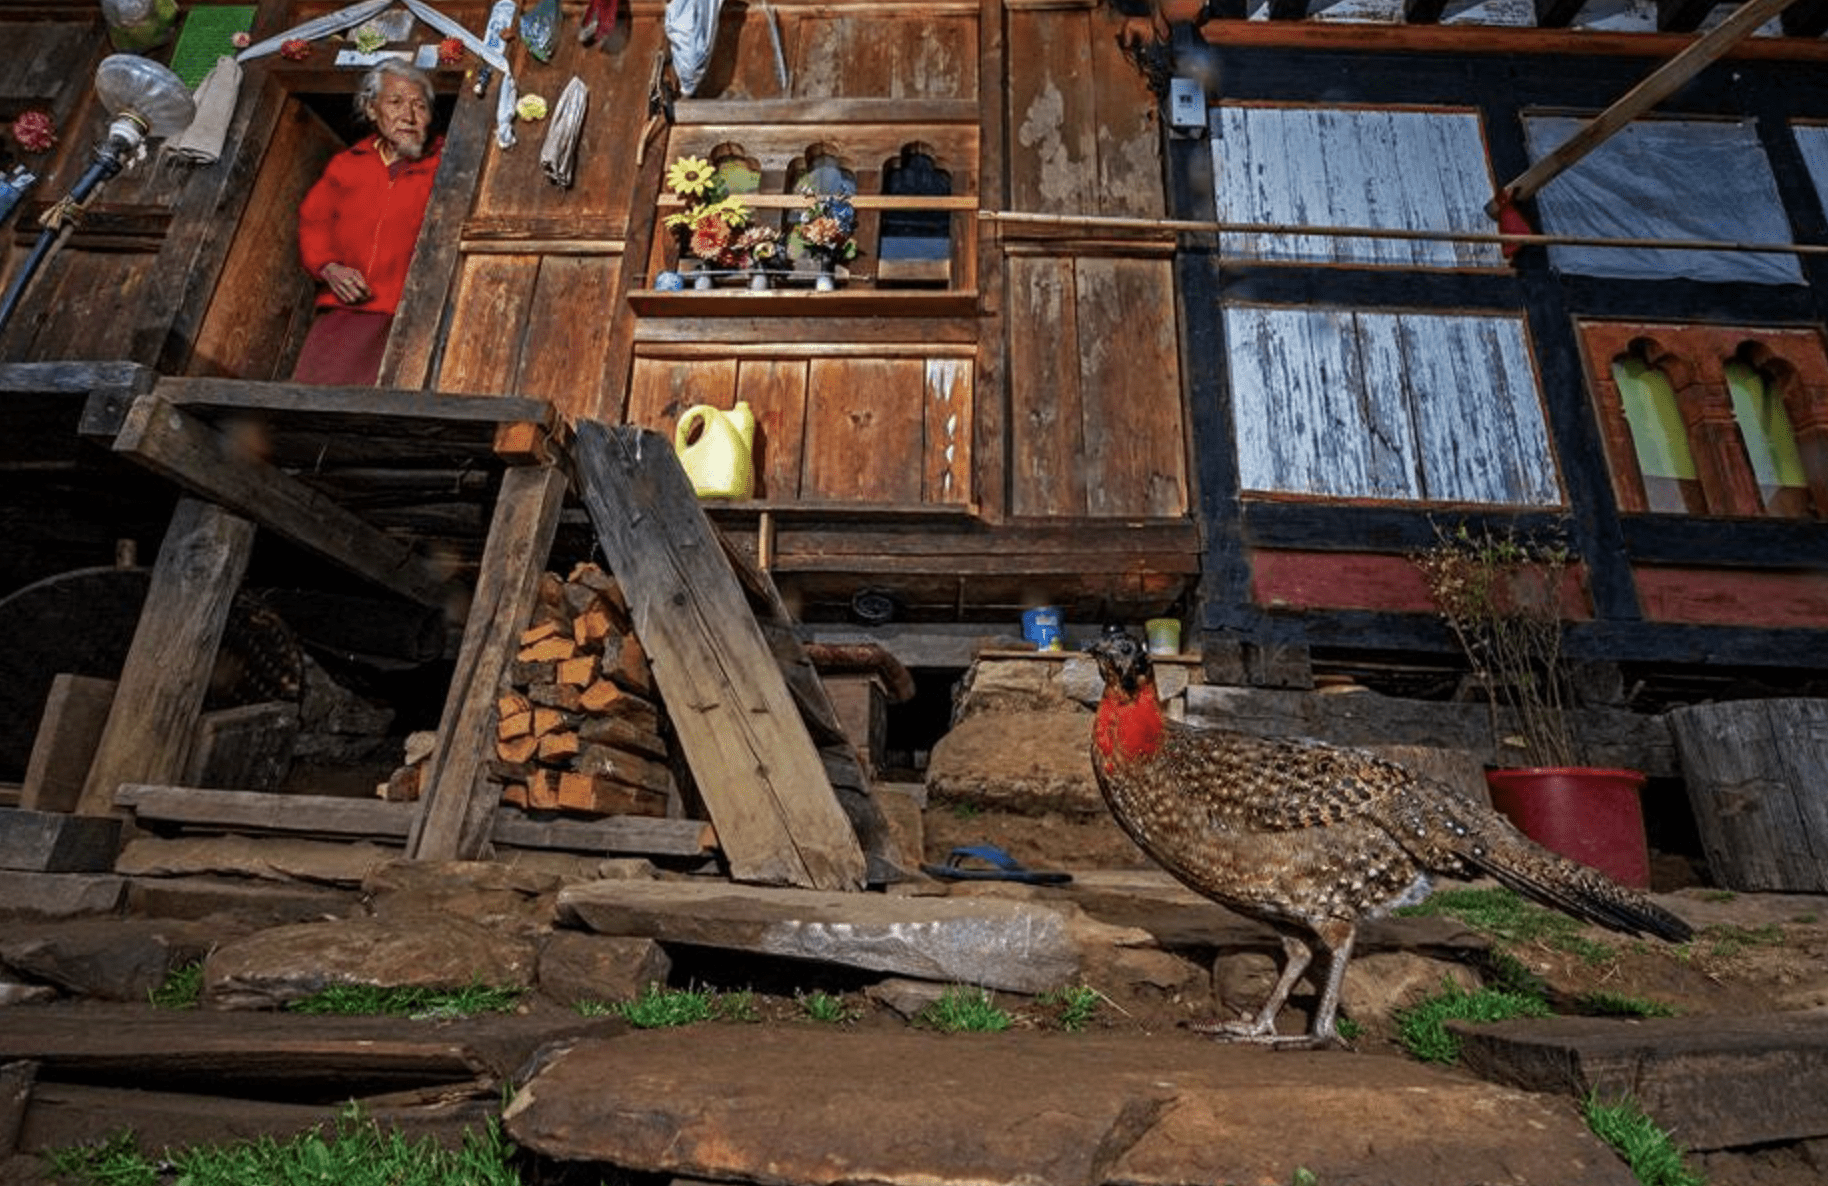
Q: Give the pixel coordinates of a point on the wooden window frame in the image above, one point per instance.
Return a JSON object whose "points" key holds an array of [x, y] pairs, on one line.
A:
{"points": [[1694, 359]]}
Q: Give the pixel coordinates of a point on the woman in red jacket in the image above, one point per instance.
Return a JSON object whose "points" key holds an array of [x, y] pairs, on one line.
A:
{"points": [[358, 225]]}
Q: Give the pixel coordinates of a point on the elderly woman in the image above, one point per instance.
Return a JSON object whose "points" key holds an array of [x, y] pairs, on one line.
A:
{"points": [[358, 225]]}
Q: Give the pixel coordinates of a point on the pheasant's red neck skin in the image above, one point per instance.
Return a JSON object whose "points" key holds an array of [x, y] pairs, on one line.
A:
{"points": [[1129, 727]]}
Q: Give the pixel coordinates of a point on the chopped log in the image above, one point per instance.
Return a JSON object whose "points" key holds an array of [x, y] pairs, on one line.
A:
{"points": [[601, 696], [522, 674], [504, 770], [517, 749], [559, 747], [545, 720], [514, 794], [598, 795], [607, 588], [543, 790], [631, 668], [550, 592], [578, 672], [590, 628], [622, 734], [578, 599], [518, 725], [554, 648], [402, 786], [628, 707], [538, 632], [511, 702], [624, 767], [419, 746], [557, 695]]}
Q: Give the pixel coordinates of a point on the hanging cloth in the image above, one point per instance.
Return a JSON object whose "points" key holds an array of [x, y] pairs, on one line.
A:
{"points": [[355, 14], [691, 29], [559, 154], [201, 143]]}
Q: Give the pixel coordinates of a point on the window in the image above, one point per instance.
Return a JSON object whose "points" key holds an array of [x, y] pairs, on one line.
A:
{"points": [[1706, 421], [1388, 406], [1666, 179], [1409, 170]]}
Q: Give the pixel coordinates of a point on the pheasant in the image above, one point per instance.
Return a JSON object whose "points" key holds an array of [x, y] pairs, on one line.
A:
{"points": [[1312, 838]]}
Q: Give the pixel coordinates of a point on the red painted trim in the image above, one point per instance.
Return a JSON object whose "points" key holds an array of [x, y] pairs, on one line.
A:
{"points": [[1715, 597], [1361, 580]]}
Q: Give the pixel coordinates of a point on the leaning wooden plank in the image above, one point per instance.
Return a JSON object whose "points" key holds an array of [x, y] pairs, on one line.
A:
{"points": [[74, 714], [459, 800], [168, 666], [336, 815], [737, 724], [180, 447]]}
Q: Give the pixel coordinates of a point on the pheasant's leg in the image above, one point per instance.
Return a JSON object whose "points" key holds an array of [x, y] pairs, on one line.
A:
{"points": [[1337, 938], [1296, 956]]}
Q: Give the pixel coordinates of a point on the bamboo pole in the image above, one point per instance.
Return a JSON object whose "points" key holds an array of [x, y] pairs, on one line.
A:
{"points": [[1198, 226]]}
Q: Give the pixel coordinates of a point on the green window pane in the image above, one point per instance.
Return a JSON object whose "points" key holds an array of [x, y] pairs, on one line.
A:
{"points": [[1657, 431], [1770, 440]]}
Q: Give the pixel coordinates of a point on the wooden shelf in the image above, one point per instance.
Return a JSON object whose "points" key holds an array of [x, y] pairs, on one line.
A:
{"points": [[845, 302]]}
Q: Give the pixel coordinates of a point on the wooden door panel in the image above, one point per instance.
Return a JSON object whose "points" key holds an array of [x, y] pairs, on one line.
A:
{"points": [[864, 428]]}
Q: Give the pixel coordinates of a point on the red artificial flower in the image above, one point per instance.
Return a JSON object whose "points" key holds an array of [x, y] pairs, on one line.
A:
{"points": [[35, 132], [450, 52], [296, 49]]}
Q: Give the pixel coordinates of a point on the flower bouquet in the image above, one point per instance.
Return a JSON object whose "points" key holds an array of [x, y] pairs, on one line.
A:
{"points": [[826, 230], [713, 223]]}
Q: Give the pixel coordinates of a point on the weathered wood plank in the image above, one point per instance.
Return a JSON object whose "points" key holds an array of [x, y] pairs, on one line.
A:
{"points": [[75, 712], [1130, 390], [565, 356], [490, 298], [55, 842], [776, 392], [176, 445], [458, 801], [864, 421], [167, 670], [1046, 409], [662, 391], [1127, 124], [754, 763], [1754, 771], [1051, 115], [340, 816], [950, 407]]}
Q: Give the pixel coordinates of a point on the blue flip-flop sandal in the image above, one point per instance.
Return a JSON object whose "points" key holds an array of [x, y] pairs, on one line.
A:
{"points": [[1000, 867]]}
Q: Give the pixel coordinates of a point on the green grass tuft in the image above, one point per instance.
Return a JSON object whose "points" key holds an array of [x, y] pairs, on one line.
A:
{"points": [[1073, 1007], [964, 1009], [1422, 1028], [1613, 1004], [660, 1008], [1507, 917], [594, 1008], [822, 1006], [360, 1154], [1653, 1157], [182, 987], [418, 1003], [1726, 940]]}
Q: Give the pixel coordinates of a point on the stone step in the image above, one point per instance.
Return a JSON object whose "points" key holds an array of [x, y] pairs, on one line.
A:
{"points": [[909, 1108], [1714, 1082]]}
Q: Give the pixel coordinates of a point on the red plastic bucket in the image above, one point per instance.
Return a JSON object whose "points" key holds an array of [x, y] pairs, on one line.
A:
{"points": [[1586, 814]]}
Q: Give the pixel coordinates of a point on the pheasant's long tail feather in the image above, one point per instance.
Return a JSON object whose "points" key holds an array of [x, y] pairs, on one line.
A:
{"points": [[1533, 871]]}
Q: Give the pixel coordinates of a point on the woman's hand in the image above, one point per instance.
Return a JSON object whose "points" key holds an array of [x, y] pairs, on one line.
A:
{"points": [[349, 285]]}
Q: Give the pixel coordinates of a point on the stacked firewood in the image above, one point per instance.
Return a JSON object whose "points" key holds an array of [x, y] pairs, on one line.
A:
{"points": [[577, 726]]}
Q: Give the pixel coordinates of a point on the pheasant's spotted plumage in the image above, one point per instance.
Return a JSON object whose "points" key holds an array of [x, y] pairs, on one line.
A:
{"points": [[1313, 838]]}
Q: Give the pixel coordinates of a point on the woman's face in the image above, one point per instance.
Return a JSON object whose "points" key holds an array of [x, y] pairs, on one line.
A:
{"points": [[402, 116]]}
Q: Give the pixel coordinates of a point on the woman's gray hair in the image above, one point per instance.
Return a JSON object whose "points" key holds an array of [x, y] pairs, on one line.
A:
{"points": [[371, 84]]}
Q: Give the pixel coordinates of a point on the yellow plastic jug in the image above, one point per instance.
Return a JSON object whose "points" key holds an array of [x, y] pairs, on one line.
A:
{"points": [[720, 461]]}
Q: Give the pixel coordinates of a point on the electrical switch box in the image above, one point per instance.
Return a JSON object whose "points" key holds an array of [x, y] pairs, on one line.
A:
{"points": [[1186, 107]]}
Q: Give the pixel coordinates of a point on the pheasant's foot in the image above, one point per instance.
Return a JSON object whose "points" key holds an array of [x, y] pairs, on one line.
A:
{"points": [[1260, 1035]]}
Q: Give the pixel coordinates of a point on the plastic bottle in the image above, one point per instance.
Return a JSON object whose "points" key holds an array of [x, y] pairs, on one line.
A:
{"points": [[720, 459], [135, 26]]}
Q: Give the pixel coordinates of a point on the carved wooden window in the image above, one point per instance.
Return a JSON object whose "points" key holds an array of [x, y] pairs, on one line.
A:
{"points": [[1709, 421]]}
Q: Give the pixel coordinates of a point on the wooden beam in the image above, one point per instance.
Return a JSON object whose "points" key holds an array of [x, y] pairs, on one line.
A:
{"points": [[177, 445], [1806, 18], [74, 377], [453, 821], [340, 816], [1423, 12], [755, 764], [1661, 83], [63, 749], [1682, 16], [1288, 10], [168, 666]]}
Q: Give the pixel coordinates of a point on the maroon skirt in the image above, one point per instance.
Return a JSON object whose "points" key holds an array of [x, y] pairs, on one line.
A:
{"points": [[343, 348]]}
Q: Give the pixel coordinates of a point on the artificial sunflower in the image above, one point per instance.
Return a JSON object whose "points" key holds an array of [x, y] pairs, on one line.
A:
{"points": [[691, 177]]}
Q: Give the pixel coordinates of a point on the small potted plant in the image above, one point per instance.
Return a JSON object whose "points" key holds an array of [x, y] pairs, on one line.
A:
{"points": [[1504, 598], [826, 229], [709, 227]]}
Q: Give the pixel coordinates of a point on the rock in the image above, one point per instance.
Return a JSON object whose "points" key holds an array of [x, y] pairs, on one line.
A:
{"points": [[513, 898], [113, 959], [253, 903], [911, 1108], [267, 969], [575, 966], [12, 992], [1241, 982], [909, 998], [1016, 946], [57, 842], [59, 895], [270, 858], [1020, 760], [1379, 983], [1716, 1082]]}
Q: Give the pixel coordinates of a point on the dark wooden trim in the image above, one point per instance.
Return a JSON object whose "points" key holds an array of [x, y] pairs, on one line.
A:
{"points": [[1805, 18], [828, 111], [992, 435], [75, 378], [1489, 40], [1369, 288], [1682, 16], [1288, 10], [1725, 543], [1423, 12], [1557, 14]]}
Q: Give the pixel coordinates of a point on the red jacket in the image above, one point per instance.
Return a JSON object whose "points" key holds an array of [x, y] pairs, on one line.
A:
{"points": [[359, 217]]}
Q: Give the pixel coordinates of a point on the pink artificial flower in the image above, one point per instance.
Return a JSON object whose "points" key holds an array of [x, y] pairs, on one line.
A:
{"points": [[35, 132]]}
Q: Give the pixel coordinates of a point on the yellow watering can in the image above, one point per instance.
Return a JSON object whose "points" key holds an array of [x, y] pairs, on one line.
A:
{"points": [[720, 460]]}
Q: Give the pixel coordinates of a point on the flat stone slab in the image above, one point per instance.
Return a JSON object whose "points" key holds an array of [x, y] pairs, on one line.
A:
{"points": [[999, 944], [53, 842], [1715, 1082], [909, 1108]]}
